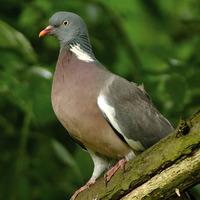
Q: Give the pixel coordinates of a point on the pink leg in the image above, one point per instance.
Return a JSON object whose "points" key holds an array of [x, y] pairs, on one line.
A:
{"points": [[120, 164], [86, 186]]}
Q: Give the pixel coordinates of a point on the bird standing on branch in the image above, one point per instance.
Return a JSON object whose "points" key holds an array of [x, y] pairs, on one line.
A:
{"points": [[112, 118]]}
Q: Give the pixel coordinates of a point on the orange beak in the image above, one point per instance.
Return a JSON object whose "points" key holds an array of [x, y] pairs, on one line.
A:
{"points": [[46, 31]]}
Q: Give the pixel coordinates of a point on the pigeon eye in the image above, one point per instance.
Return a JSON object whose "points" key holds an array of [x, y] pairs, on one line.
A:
{"points": [[65, 22]]}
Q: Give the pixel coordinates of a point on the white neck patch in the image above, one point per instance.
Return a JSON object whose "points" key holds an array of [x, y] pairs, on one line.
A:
{"points": [[80, 53]]}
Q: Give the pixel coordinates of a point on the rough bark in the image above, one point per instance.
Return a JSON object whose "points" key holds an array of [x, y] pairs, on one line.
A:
{"points": [[170, 166]]}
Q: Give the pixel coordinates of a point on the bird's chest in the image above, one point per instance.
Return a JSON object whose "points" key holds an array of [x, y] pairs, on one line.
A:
{"points": [[74, 99]]}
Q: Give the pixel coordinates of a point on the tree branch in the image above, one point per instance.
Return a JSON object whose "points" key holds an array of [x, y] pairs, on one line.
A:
{"points": [[171, 165], [164, 184]]}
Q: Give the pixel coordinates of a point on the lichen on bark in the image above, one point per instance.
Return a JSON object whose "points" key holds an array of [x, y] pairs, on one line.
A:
{"points": [[176, 157]]}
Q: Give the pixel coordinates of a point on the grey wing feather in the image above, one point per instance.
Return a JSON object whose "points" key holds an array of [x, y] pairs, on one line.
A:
{"points": [[132, 113]]}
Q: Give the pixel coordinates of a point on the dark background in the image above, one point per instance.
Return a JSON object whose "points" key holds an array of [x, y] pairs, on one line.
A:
{"points": [[147, 41]]}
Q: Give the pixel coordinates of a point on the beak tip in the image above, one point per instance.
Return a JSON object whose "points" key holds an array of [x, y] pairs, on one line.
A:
{"points": [[42, 33], [46, 31]]}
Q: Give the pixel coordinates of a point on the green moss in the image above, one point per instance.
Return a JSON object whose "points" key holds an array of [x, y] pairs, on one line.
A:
{"points": [[168, 151]]}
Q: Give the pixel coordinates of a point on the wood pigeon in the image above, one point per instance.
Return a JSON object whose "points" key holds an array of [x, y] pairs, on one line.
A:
{"points": [[112, 118]]}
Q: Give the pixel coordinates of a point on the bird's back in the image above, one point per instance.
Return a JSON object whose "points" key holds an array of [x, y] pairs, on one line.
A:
{"points": [[133, 113]]}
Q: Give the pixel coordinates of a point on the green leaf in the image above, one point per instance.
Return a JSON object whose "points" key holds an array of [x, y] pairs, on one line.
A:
{"points": [[64, 155], [13, 39], [172, 90]]}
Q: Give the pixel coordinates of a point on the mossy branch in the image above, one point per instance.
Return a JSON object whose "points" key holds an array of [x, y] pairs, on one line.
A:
{"points": [[170, 166]]}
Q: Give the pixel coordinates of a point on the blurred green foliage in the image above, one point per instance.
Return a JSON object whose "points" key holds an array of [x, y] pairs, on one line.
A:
{"points": [[152, 42]]}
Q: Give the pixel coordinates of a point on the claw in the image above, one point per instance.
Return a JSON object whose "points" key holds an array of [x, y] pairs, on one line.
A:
{"points": [[86, 186], [120, 164]]}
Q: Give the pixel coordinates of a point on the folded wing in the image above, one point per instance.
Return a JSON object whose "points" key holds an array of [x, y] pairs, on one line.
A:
{"points": [[130, 111]]}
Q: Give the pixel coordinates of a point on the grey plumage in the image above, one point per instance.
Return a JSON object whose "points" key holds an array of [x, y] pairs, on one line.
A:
{"points": [[110, 116], [135, 114]]}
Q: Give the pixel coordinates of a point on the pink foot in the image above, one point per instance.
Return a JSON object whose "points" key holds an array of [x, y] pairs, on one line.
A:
{"points": [[86, 186], [120, 164]]}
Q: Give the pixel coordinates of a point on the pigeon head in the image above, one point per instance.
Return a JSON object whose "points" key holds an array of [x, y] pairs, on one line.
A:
{"points": [[66, 26], [72, 33]]}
